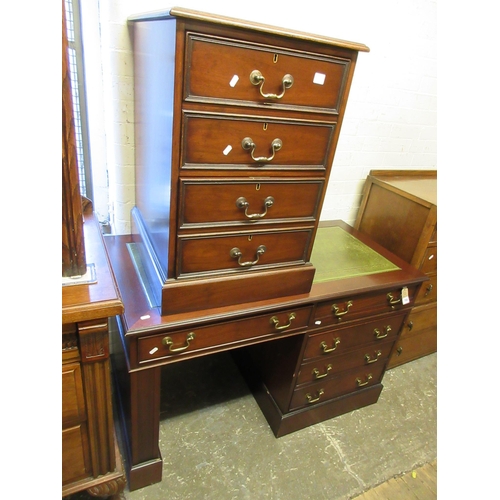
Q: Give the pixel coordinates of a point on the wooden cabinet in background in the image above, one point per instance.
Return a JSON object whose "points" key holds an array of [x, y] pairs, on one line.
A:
{"points": [[91, 460], [399, 211]]}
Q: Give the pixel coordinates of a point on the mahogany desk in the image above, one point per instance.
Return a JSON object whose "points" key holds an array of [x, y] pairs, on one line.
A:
{"points": [[307, 358]]}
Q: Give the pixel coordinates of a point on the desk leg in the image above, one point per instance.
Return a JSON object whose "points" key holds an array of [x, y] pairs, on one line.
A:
{"points": [[146, 462]]}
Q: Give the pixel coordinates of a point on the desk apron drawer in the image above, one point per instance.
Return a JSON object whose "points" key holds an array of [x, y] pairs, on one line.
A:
{"points": [[232, 333], [220, 202], [256, 143], [222, 69], [343, 383], [341, 340], [341, 311], [242, 251]]}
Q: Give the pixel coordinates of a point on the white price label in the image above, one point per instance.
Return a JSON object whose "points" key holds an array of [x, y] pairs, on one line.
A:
{"points": [[319, 78], [405, 299]]}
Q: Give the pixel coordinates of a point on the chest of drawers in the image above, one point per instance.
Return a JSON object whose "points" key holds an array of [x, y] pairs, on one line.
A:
{"points": [[399, 211], [236, 128]]}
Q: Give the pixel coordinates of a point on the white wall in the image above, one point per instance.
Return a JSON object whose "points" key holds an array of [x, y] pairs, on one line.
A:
{"points": [[390, 121]]}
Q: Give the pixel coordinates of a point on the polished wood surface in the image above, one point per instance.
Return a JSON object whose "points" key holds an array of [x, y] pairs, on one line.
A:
{"points": [[75, 451], [181, 12], [154, 348], [91, 301], [388, 326], [293, 200], [398, 219], [221, 105], [140, 315], [299, 200], [421, 184], [91, 459], [272, 334], [206, 137], [205, 118], [209, 253], [222, 61], [399, 211]]}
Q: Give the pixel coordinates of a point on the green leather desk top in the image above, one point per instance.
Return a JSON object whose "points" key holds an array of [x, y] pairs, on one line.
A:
{"points": [[337, 254]]}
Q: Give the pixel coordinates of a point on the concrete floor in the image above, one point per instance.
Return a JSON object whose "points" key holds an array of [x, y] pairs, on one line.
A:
{"points": [[216, 443]]}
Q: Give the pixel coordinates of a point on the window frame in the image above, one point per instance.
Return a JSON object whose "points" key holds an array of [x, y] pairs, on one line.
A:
{"points": [[74, 29]]}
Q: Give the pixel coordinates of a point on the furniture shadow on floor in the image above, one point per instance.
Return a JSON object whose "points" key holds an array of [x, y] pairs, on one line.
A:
{"points": [[198, 384]]}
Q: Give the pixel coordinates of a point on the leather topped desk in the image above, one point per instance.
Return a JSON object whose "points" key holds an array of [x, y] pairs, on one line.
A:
{"points": [[307, 358]]}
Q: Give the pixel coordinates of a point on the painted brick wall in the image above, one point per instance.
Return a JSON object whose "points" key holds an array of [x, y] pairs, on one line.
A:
{"points": [[390, 122]]}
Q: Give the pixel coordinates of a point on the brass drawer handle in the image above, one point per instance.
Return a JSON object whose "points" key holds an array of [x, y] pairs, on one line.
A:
{"points": [[428, 290], [369, 360], [235, 253], [392, 301], [275, 321], [338, 312], [325, 347], [314, 399], [242, 202], [318, 375], [169, 342], [379, 335], [257, 78], [248, 144], [360, 383]]}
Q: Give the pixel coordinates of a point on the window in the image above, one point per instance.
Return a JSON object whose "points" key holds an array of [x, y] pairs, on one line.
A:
{"points": [[77, 77]]}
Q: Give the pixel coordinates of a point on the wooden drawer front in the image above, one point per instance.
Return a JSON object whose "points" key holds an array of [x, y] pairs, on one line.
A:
{"points": [[420, 319], [233, 332], [240, 252], [336, 312], [73, 402], [342, 383], [429, 262], [222, 202], [327, 367], [414, 347], [428, 291], [219, 69], [341, 340], [75, 454], [220, 142]]}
